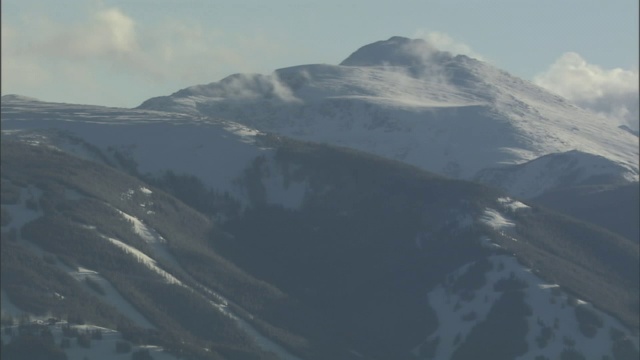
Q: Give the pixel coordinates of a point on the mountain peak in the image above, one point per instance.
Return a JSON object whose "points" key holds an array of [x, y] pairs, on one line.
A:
{"points": [[396, 51]]}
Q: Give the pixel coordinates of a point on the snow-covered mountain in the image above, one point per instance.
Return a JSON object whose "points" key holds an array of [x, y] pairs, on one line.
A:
{"points": [[333, 253], [404, 100]]}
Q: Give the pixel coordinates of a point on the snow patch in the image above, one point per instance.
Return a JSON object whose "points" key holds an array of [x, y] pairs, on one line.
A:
{"points": [[548, 286], [496, 220], [144, 259], [510, 204], [150, 236]]}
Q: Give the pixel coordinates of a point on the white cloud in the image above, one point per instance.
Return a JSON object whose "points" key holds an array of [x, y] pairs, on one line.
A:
{"points": [[444, 42], [16, 69], [40, 53], [610, 92], [107, 34], [110, 32], [249, 86]]}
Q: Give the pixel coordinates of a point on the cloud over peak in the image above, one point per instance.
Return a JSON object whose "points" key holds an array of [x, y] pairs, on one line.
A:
{"points": [[610, 92], [90, 53]]}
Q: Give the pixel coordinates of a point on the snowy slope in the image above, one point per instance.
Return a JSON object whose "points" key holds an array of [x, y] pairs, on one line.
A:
{"points": [[557, 170], [214, 151], [497, 294], [21, 214], [552, 323], [405, 100]]}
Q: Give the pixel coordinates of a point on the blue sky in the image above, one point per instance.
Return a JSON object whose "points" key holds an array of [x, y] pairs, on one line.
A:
{"points": [[119, 53]]}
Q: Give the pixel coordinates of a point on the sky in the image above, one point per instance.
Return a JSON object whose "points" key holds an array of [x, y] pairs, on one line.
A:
{"points": [[122, 52]]}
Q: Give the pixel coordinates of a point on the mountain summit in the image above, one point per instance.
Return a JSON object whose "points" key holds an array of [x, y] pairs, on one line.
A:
{"points": [[397, 51]]}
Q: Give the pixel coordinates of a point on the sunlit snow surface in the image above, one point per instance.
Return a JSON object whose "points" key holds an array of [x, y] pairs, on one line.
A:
{"points": [[156, 242], [499, 219], [454, 116]]}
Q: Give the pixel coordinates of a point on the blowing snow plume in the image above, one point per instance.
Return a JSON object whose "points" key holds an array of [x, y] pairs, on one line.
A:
{"points": [[235, 88], [244, 86], [416, 58], [397, 51]]}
